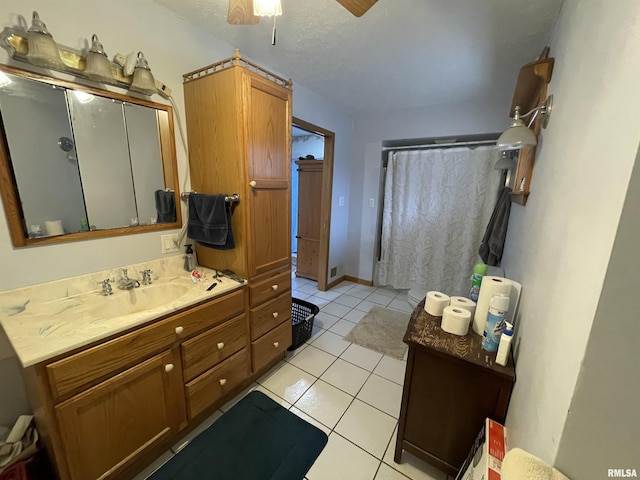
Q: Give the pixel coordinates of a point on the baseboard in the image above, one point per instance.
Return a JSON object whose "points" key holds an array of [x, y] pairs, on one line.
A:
{"points": [[349, 278], [335, 282]]}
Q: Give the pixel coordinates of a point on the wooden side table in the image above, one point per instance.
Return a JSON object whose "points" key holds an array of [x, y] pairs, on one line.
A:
{"points": [[451, 385]]}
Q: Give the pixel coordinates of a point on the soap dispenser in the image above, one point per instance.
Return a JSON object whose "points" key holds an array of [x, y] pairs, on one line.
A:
{"points": [[189, 261]]}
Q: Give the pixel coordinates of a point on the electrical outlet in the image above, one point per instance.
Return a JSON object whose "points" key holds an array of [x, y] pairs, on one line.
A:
{"points": [[169, 243], [340, 201], [372, 202]]}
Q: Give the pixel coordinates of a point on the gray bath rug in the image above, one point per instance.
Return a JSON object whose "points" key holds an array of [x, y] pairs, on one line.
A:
{"points": [[381, 330]]}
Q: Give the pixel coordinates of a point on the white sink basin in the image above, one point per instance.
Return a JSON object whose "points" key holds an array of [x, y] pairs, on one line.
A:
{"points": [[145, 297]]}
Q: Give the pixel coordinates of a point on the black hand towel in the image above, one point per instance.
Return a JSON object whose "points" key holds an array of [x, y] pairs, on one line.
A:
{"points": [[165, 206], [210, 221], [493, 241]]}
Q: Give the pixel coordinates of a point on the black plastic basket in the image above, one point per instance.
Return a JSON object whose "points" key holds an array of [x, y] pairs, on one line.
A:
{"points": [[302, 316]]}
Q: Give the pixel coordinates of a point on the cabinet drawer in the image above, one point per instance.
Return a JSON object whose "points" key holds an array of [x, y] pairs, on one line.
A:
{"points": [[270, 345], [211, 347], [75, 371], [270, 315], [212, 385], [269, 288]]}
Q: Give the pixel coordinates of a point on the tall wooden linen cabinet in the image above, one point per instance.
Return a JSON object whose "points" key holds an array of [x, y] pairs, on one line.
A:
{"points": [[238, 119]]}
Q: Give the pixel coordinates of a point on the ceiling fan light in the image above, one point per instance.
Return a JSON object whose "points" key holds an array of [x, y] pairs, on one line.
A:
{"points": [[267, 8]]}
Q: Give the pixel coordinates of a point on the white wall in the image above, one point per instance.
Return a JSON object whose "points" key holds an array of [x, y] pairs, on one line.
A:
{"points": [[371, 130], [172, 48], [559, 245]]}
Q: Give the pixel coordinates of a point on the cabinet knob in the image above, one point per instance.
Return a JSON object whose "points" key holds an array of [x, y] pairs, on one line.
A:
{"points": [[223, 381], [275, 287], [220, 345], [275, 314], [168, 367], [253, 183], [179, 330], [276, 344]]}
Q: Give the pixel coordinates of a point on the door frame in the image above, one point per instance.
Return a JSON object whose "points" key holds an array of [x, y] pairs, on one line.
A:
{"points": [[325, 201]]}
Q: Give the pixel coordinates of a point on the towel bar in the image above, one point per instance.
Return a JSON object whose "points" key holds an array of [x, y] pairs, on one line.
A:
{"points": [[234, 198]]}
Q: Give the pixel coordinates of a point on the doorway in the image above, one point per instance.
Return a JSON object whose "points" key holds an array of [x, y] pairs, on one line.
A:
{"points": [[310, 242]]}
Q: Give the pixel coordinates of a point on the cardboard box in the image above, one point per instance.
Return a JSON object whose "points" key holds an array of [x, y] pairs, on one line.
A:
{"points": [[484, 461]]}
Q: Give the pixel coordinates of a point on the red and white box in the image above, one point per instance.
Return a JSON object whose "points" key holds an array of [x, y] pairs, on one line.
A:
{"points": [[484, 461]]}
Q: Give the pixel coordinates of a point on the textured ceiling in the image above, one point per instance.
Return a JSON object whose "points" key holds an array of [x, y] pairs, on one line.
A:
{"points": [[400, 54]]}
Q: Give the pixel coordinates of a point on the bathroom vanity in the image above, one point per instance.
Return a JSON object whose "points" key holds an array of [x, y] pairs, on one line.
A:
{"points": [[116, 380]]}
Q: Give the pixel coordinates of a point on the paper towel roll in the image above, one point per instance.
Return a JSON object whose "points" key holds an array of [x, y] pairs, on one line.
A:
{"points": [[435, 303], [54, 227], [456, 320], [490, 286], [465, 303]]}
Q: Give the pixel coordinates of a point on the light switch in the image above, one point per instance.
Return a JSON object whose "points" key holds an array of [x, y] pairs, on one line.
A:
{"points": [[372, 202], [340, 201]]}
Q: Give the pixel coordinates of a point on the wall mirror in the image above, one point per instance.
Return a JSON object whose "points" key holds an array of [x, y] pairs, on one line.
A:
{"points": [[80, 163]]}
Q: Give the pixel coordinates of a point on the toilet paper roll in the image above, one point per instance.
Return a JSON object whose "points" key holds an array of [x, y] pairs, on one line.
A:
{"points": [[490, 286], [465, 303], [54, 227], [435, 303], [456, 320]]}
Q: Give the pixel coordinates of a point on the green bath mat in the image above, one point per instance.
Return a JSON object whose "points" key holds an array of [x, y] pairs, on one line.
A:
{"points": [[256, 439]]}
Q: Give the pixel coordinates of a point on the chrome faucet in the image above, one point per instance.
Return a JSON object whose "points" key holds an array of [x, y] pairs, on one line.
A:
{"points": [[126, 283], [106, 287], [146, 277]]}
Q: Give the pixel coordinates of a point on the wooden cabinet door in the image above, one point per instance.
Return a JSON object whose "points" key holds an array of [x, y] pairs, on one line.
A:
{"points": [[268, 168], [107, 426], [309, 204]]}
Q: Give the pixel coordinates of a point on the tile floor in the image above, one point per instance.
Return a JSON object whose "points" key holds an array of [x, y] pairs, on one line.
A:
{"points": [[351, 393]]}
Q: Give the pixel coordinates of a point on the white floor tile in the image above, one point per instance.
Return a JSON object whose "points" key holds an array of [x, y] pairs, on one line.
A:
{"points": [[355, 315], [342, 460], [308, 288], [391, 369], [383, 394], [342, 327], [348, 300], [367, 427], [362, 357], [379, 299], [313, 360], [273, 396], [328, 295], [362, 294], [293, 353], [299, 294], [365, 305], [315, 333], [385, 472], [289, 382], [331, 343], [324, 402], [345, 376], [311, 420], [389, 292], [410, 465], [400, 305], [336, 309], [319, 302], [324, 320], [365, 288]]}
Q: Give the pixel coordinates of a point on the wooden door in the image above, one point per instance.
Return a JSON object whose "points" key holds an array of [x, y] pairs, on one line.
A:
{"points": [[106, 427], [268, 169], [309, 204]]}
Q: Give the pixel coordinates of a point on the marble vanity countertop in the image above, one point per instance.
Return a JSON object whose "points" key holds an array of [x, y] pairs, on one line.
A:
{"points": [[49, 319]]}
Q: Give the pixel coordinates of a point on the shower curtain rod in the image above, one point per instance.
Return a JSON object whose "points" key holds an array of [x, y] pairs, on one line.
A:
{"points": [[440, 145]]}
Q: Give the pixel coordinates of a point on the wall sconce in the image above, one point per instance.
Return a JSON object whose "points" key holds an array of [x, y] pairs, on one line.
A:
{"points": [[505, 162], [43, 50], [268, 8], [143, 81], [519, 135], [98, 66]]}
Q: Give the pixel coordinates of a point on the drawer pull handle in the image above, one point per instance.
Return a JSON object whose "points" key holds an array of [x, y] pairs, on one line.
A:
{"points": [[223, 381], [179, 330], [276, 344], [275, 314], [275, 287], [220, 345], [168, 367], [253, 183]]}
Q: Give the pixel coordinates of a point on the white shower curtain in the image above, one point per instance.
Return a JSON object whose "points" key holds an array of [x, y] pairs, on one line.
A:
{"points": [[437, 204]]}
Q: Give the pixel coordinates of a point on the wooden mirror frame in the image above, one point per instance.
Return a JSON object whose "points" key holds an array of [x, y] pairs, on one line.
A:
{"points": [[9, 187]]}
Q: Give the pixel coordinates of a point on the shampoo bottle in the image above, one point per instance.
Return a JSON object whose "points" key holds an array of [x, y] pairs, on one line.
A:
{"points": [[479, 271], [505, 344], [498, 306], [189, 261]]}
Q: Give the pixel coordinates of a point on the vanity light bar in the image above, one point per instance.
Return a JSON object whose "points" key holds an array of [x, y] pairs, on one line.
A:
{"points": [[234, 198]]}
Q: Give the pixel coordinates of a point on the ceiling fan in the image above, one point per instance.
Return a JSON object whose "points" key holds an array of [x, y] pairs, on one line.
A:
{"points": [[241, 11]]}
